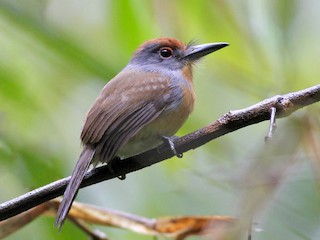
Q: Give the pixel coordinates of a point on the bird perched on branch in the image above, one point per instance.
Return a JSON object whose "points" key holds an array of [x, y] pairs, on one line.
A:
{"points": [[148, 100]]}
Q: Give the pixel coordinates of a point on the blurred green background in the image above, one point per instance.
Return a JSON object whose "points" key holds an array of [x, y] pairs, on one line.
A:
{"points": [[55, 56]]}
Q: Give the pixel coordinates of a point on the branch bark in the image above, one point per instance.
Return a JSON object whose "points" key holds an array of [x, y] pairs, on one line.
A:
{"points": [[229, 122]]}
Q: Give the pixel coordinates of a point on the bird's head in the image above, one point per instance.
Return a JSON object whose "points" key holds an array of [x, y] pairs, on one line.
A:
{"points": [[171, 54]]}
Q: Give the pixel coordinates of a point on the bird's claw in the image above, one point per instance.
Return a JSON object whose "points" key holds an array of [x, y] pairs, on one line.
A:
{"points": [[171, 144], [112, 169], [122, 177]]}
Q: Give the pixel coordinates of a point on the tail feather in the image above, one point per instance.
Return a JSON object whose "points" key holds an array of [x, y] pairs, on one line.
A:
{"points": [[70, 193]]}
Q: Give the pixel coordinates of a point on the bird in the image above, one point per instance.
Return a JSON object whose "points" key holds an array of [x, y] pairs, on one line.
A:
{"points": [[145, 103]]}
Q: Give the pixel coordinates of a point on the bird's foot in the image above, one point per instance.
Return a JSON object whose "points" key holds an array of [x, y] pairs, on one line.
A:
{"points": [[170, 140], [111, 167]]}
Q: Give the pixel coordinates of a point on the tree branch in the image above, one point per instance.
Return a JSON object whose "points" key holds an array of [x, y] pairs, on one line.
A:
{"points": [[231, 121]]}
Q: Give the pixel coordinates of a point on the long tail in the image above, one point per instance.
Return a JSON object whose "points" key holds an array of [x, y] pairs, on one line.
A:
{"points": [[70, 193]]}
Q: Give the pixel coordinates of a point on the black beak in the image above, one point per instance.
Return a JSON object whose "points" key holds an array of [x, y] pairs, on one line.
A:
{"points": [[196, 52]]}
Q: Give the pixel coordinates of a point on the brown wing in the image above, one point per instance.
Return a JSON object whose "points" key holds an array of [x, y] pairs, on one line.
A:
{"points": [[126, 104]]}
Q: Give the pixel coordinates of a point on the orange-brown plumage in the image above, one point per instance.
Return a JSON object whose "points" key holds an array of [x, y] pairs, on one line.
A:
{"points": [[168, 42], [149, 99]]}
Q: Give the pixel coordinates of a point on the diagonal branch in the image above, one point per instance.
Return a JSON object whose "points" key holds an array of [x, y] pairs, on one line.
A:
{"points": [[231, 121]]}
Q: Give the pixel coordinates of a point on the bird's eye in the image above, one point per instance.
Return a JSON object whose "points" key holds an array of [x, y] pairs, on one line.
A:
{"points": [[166, 52]]}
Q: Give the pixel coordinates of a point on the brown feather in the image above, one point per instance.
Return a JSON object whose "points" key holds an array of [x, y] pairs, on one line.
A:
{"points": [[125, 130], [151, 98], [112, 106], [74, 183]]}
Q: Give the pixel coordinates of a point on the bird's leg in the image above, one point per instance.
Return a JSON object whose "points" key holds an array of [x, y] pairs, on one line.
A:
{"points": [[169, 140], [111, 165]]}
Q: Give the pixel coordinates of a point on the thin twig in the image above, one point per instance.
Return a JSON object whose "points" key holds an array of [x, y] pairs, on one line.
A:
{"points": [[232, 121], [93, 234], [250, 229], [272, 126]]}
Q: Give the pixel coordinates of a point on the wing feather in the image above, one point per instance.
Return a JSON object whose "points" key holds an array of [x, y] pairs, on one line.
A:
{"points": [[125, 105], [127, 129]]}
